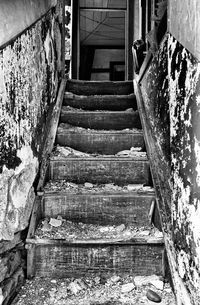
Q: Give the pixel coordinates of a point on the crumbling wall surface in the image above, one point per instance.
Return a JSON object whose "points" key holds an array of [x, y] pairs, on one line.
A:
{"points": [[30, 73], [184, 92]]}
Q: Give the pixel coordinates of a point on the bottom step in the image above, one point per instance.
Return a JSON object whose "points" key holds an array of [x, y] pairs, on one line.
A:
{"points": [[61, 259], [94, 290]]}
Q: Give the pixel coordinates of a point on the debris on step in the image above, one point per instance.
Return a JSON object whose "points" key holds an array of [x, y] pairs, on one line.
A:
{"points": [[131, 152], [46, 226], [64, 151], [68, 152], [127, 287], [55, 222], [88, 185], [151, 279], [153, 296], [74, 287], [129, 110], [68, 230], [91, 290], [69, 187]]}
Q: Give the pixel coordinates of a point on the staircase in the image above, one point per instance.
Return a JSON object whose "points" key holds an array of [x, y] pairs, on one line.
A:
{"points": [[99, 177]]}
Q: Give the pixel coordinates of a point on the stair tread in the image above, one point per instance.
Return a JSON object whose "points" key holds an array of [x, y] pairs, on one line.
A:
{"points": [[100, 119], [82, 87], [106, 102], [62, 186], [70, 109], [61, 153], [72, 95], [64, 127], [73, 233]]}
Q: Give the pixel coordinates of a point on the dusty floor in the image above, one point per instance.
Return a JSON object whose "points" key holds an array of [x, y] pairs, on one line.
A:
{"points": [[96, 290]]}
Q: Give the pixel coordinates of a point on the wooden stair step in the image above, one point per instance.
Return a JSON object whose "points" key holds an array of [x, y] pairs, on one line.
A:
{"points": [[81, 87], [60, 258], [100, 119], [98, 206], [99, 141], [100, 102], [105, 169]]}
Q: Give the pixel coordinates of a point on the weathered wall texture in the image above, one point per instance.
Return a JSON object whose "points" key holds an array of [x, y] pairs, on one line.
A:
{"points": [[184, 24], [171, 93], [184, 84], [30, 73]]}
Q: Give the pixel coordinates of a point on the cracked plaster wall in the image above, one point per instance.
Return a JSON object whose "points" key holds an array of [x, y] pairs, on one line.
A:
{"points": [[30, 70]]}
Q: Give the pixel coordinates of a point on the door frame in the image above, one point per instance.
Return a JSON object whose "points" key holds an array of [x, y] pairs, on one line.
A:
{"points": [[76, 36]]}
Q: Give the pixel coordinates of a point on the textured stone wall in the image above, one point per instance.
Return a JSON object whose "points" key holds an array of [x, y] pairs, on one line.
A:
{"points": [[30, 74]]}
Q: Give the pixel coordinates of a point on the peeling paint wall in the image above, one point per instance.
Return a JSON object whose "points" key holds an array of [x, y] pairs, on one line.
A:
{"points": [[171, 93], [184, 84], [30, 74], [30, 69]]}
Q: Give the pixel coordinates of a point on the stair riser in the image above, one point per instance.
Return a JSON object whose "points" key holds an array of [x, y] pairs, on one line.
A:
{"points": [[99, 209], [101, 120], [100, 171], [108, 144], [113, 103], [77, 261], [99, 88]]}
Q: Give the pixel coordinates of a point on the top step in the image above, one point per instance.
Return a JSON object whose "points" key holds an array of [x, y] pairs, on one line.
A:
{"points": [[80, 87]]}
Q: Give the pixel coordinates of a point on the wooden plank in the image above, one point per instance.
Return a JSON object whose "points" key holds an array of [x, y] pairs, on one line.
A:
{"points": [[35, 217], [99, 141], [103, 209], [79, 260], [96, 170], [100, 102], [51, 134], [150, 240], [116, 120], [161, 185], [144, 66], [99, 87]]}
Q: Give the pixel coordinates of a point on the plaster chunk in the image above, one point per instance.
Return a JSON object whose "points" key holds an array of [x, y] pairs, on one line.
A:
{"points": [[17, 195]]}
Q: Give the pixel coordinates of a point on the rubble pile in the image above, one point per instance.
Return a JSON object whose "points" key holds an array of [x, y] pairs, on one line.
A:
{"points": [[96, 290]]}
